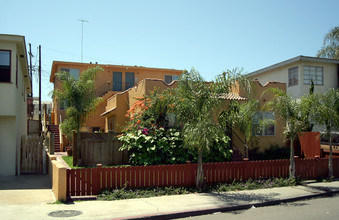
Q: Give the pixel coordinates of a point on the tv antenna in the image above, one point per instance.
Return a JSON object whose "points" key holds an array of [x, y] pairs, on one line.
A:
{"points": [[82, 36]]}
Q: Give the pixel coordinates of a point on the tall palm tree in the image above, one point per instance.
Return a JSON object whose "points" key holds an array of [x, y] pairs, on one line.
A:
{"points": [[330, 48], [80, 98], [288, 109], [326, 112], [196, 105]]}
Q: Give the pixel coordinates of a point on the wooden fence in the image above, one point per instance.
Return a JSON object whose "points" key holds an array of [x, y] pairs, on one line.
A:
{"points": [[31, 160], [100, 148], [90, 181]]}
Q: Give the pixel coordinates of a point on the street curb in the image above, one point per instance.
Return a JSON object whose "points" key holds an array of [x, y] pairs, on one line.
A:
{"points": [[188, 213]]}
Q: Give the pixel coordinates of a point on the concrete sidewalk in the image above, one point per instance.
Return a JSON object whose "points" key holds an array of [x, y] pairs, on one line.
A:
{"points": [[168, 207]]}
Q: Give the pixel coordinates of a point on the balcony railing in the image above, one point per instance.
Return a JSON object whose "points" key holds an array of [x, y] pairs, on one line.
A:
{"points": [[112, 86]]}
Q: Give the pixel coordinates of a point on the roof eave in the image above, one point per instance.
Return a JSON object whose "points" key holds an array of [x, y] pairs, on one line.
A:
{"points": [[292, 60]]}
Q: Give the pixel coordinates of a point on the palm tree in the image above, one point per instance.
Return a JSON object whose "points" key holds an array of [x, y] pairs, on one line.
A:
{"points": [[80, 99], [245, 118], [326, 112], [330, 48], [196, 104], [288, 109]]}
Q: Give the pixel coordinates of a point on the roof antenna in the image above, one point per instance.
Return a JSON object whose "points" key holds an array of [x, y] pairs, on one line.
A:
{"points": [[82, 36]]}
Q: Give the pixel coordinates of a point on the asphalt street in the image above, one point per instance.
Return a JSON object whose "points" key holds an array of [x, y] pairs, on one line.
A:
{"points": [[322, 208]]}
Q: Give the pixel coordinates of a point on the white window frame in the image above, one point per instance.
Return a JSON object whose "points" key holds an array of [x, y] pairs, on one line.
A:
{"points": [[293, 76], [258, 120], [315, 73]]}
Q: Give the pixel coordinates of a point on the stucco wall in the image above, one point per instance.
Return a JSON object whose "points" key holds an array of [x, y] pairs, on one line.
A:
{"points": [[330, 77], [7, 145], [265, 142], [102, 79], [13, 113]]}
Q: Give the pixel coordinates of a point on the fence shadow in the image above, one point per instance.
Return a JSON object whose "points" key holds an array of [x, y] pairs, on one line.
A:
{"points": [[33, 181], [244, 198], [324, 188]]}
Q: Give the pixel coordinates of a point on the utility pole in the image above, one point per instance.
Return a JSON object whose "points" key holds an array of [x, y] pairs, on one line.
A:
{"points": [[40, 127], [82, 36], [30, 68]]}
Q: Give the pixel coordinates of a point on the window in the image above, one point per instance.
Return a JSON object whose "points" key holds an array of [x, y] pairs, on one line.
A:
{"points": [[314, 73], [129, 80], [117, 81], [63, 105], [74, 72], [263, 124], [293, 76], [5, 66], [170, 78]]}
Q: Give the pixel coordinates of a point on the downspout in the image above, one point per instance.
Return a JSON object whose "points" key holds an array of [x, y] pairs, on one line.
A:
{"points": [[60, 135]]}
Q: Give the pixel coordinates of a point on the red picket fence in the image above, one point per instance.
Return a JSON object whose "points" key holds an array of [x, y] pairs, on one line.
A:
{"points": [[89, 181]]}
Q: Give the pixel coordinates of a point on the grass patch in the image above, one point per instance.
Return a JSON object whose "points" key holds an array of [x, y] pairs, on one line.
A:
{"points": [[124, 193], [69, 161], [58, 202]]}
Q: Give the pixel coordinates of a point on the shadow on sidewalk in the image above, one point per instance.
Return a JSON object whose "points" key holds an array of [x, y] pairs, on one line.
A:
{"points": [[242, 198], [32, 181], [323, 188]]}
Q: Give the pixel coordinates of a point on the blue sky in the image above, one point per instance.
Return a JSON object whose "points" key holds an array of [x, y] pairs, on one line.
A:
{"points": [[211, 36]]}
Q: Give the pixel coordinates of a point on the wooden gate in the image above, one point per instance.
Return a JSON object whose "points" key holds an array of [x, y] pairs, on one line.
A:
{"points": [[31, 160]]}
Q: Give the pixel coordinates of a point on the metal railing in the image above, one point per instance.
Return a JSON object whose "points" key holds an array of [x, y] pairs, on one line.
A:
{"points": [[112, 86], [244, 150]]}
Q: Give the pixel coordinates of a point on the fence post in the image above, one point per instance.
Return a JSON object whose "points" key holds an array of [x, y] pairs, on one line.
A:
{"points": [[96, 172], [75, 149], [51, 143], [317, 166], [59, 183]]}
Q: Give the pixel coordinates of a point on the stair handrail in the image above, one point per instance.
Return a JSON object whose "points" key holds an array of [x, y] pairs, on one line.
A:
{"points": [[103, 88], [245, 155]]}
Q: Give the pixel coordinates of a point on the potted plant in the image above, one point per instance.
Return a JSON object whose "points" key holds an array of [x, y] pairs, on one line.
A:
{"points": [[309, 141], [69, 151]]}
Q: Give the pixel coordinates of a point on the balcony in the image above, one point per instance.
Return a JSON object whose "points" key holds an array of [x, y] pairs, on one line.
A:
{"points": [[112, 86]]}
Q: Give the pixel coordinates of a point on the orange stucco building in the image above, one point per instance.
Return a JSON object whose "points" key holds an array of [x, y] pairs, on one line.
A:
{"points": [[118, 105], [120, 86], [112, 80]]}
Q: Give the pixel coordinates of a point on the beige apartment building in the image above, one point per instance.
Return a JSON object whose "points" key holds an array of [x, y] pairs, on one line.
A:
{"points": [[15, 85]]}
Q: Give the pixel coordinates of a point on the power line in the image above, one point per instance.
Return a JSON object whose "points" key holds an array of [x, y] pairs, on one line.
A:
{"points": [[76, 55]]}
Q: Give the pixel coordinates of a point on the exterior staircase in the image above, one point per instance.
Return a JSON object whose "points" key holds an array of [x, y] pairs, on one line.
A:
{"points": [[237, 155], [240, 150], [55, 130]]}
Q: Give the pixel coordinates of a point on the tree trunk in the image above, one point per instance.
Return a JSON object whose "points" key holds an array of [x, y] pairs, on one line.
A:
{"points": [[292, 162], [330, 161], [79, 148], [200, 173]]}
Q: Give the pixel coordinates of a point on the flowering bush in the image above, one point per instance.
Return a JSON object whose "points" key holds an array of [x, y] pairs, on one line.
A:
{"points": [[148, 136], [152, 137]]}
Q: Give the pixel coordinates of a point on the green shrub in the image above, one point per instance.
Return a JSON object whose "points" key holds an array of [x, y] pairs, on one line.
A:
{"points": [[152, 137]]}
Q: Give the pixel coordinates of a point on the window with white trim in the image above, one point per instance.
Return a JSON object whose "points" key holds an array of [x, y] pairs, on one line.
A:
{"points": [[313, 73], [293, 76], [263, 124]]}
